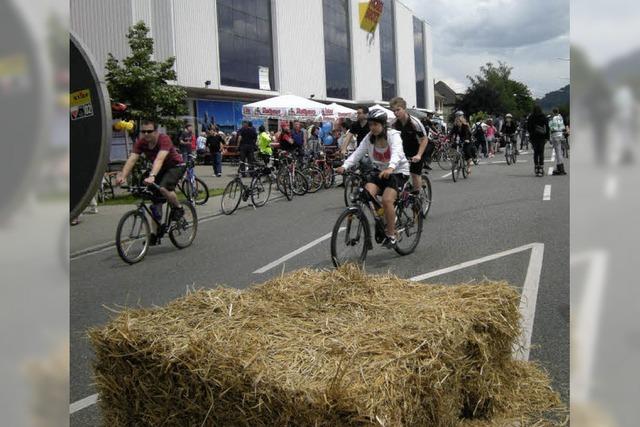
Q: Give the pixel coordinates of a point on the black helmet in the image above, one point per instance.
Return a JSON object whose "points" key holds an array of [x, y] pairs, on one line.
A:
{"points": [[377, 116]]}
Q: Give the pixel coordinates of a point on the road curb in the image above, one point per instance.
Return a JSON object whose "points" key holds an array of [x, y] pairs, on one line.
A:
{"points": [[101, 246]]}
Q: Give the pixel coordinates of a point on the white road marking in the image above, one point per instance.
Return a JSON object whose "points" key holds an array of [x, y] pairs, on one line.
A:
{"points": [[611, 187], [585, 328], [547, 192], [528, 297], [294, 253], [83, 403], [447, 175]]}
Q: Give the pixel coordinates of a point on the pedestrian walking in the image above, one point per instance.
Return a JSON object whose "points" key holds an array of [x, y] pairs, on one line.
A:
{"points": [[556, 127], [264, 145], [538, 127], [214, 143], [247, 138], [491, 137]]}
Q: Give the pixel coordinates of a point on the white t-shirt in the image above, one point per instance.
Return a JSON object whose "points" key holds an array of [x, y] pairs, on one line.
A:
{"points": [[393, 157]]}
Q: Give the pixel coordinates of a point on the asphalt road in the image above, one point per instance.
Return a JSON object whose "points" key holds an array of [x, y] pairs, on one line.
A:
{"points": [[498, 208]]}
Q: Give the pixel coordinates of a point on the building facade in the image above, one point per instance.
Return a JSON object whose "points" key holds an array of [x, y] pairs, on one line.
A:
{"points": [[230, 52]]}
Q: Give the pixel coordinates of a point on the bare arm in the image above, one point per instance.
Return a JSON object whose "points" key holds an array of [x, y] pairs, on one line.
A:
{"points": [[126, 170]]}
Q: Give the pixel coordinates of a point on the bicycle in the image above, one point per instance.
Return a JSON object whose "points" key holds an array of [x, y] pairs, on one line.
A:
{"points": [[458, 163], [320, 161], [193, 188], [259, 190], [425, 194], [297, 181], [441, 152], [133, 240], [357, 233], [510, 152], [106, 191]]}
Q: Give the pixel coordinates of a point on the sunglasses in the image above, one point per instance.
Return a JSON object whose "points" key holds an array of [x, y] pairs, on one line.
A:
{"points": [[147, 131]]}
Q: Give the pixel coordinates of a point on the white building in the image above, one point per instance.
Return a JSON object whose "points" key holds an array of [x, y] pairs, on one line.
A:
{"points": [[310, 48]]}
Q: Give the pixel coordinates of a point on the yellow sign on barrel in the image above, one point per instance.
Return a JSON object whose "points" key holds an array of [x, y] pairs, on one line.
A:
{"points": [[370, 14]]}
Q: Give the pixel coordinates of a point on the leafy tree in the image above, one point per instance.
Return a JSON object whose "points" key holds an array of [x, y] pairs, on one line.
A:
{"points": [[142, 83], [494, 92]]}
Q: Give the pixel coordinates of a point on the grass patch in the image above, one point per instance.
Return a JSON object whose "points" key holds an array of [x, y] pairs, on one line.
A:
{"points": [[128, 199]]}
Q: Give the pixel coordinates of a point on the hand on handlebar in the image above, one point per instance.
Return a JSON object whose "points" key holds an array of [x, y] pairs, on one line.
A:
{"points": [[416, 159], [386, 173], [150, 180], [340, 170], [120, 179]]}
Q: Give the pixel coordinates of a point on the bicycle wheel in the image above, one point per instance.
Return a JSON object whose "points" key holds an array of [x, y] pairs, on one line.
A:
{"points": [[283, 182], [463, 167], [507, 156], [260, 190], [201, 193], [426, 195], [231, 196], [409, 221], [350, 238], [329, 176], [443, 160], [351, 186], [454, 168], [132, 237], [183, 231], [300, 184], [314, 177]]}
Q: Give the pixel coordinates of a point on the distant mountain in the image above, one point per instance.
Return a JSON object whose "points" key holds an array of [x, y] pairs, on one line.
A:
{"points": [[556, 98], [626, 68]]}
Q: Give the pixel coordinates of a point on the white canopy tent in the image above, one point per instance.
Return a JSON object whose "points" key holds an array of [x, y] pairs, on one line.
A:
{"points": [[286, 107], [341, 112]]}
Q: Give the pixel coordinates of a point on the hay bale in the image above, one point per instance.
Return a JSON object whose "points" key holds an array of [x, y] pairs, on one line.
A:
{"points": [[322, 348]]}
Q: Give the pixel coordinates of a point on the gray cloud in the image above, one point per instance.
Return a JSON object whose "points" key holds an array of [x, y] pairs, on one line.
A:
{"points": [[528, 35]]}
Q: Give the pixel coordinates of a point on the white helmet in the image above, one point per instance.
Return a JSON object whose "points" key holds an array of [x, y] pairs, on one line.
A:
{"points": [[459, 113], [509, 116]]}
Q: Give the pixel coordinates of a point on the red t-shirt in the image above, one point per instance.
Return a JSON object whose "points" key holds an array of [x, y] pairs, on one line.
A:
{"points": [[164, 143]]}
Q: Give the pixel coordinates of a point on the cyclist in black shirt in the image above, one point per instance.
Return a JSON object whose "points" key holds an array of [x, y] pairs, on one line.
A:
{"points": [[509, 130], [414, 139]]}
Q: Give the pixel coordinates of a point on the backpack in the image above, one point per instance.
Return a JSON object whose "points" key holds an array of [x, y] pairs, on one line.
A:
{"points": [[540, 130], [479, 133]]}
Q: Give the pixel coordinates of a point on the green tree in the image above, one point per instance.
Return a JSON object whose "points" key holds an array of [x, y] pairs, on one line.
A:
{"points": [[142, 83], [494, 92]]}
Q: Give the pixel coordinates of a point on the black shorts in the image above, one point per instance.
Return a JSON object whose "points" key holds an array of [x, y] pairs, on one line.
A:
{"points": [[416, 168], [395, 181], [168, 178], [469, 150]]}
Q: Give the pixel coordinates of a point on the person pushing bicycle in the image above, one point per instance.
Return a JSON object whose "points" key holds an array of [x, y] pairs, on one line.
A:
{"points": [[384, 148], [167, 168]]}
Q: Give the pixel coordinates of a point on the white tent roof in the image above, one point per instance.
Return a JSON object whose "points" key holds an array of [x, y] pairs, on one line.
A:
{"points": [[340, 111], [286, 107]]}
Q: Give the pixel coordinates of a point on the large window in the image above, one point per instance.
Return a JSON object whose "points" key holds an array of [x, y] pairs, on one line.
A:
{"points": [[388, 51], [244, 28], [337, 51], [418, 51]]}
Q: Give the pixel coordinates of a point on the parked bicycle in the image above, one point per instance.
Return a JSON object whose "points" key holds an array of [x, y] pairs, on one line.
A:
{"points": [[193, 188], [351, 237], [259, 191], [289, 174], [133, 234]]}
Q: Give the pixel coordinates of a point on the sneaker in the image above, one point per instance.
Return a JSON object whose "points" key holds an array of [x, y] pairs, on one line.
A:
{"points": [[92, 210], [219, 175], [153, 239], [177, 213], [427, 167], [389, 242]]}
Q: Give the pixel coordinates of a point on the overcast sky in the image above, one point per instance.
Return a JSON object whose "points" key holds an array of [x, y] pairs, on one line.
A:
{"points": [[530, 35]]}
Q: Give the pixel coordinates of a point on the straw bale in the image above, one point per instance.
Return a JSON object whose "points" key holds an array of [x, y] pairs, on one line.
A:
{"points": [[321, 348]]}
